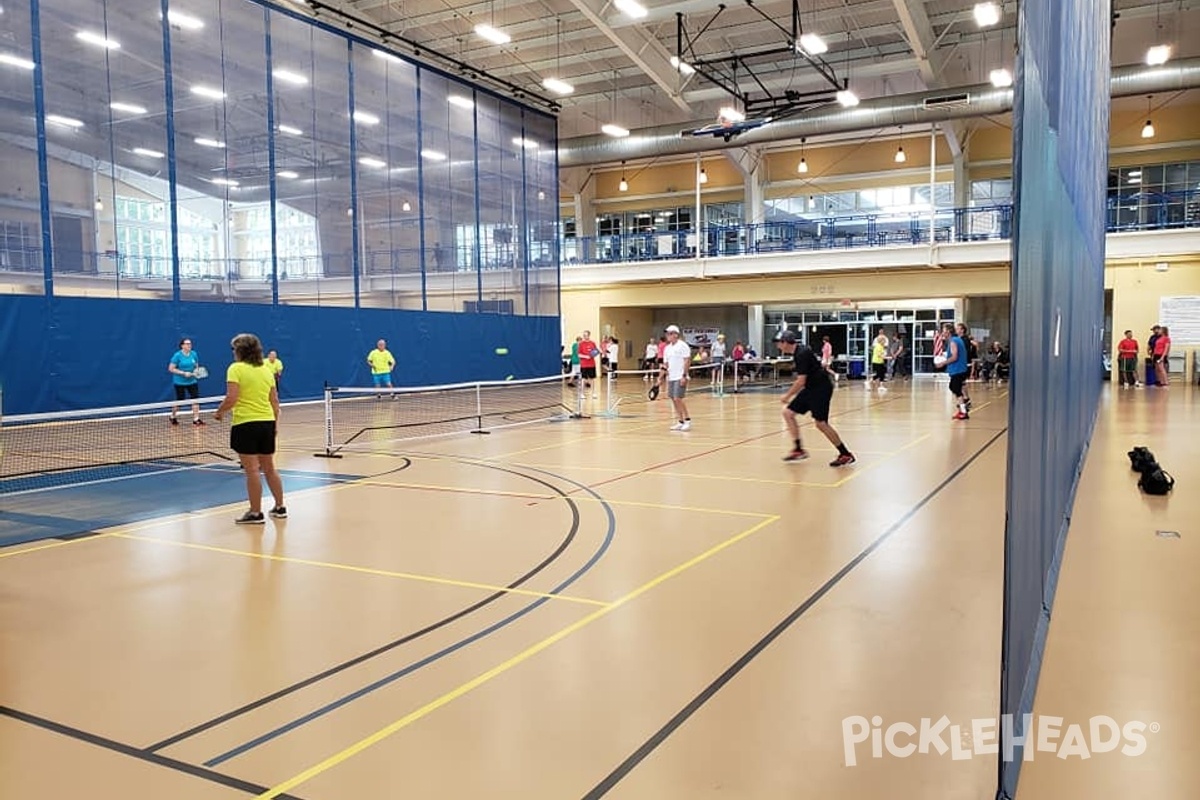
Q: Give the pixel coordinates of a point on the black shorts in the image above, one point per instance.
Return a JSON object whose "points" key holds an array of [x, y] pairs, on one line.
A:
{"points": [[587, 372], [191, 390], [956, 383], [880, 371], [253, 438], [813, 400]]}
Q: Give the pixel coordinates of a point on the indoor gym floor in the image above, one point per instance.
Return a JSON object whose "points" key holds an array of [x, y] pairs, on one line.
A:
{"points": [[601, 607]]}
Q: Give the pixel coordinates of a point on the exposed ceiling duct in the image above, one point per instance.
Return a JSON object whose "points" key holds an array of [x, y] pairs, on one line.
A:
{"points": [[908, 109]]}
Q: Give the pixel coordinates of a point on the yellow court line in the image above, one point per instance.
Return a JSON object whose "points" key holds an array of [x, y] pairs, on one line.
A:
{"points": [[51, 545], [741, 479], [479, 680], [363, 570]]}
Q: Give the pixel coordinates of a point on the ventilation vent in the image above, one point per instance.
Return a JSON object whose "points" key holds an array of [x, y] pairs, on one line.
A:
{"points": [[947, 101]]}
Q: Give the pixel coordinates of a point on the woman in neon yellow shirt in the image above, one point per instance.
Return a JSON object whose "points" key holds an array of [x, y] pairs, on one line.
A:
{"points": [[251, 394], [879, 359]]}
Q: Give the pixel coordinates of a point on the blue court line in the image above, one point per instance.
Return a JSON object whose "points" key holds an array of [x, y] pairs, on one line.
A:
{"points": [[449, 650], [75, 509]]}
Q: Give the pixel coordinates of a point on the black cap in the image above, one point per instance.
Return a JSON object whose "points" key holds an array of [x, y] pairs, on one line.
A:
{"points": [[786, 336]]}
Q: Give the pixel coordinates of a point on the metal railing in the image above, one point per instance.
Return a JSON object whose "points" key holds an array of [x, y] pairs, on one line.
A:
{"points": [[1138, 212]]}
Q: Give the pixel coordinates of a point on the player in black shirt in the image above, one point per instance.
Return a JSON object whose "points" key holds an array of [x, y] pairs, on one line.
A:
{"points": [[810, 393]]}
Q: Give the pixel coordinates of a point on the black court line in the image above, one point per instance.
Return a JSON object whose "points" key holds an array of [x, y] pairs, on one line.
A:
{"points": [[650, 745], [141, 755], [392, 645]]}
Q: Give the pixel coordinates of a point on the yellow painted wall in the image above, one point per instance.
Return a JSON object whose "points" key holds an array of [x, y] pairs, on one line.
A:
{"points": [[1137, 289], [582, 308]]}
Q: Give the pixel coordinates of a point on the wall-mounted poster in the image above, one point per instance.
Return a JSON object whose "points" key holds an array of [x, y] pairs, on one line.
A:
{"points": [[1182, 316]]}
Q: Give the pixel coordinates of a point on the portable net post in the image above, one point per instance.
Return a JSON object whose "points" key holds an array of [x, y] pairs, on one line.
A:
{"points": [[479, 410], [330, 452]]}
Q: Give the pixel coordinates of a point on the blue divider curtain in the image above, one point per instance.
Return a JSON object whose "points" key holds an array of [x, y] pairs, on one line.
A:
{"points": [[1061, 118]]}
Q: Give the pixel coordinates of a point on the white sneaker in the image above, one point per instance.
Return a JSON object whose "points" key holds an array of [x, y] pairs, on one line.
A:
{"points": [[686, 426], [678, 426]]}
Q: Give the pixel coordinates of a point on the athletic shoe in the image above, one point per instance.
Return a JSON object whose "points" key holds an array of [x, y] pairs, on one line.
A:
{"points": [[961, 415], [174, 421], [197, 422], [678, 426], [251, 518], [796, 455], [279, 512], [686, 426], [842, 460]]}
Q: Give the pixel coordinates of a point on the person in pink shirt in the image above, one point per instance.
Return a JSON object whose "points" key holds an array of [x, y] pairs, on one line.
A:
{"points": [[1162, 351]]}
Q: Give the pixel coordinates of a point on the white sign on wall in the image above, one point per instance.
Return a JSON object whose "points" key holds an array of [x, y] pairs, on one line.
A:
{"points": [[1182, 316]]}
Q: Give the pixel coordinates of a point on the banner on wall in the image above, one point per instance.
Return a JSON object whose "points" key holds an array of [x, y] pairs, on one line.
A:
{"points": [[1182, 316], [699, 337]]}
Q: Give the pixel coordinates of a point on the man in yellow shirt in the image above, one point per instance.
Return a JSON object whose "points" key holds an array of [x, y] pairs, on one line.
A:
{"points": [[382, 363], [276, 365]]}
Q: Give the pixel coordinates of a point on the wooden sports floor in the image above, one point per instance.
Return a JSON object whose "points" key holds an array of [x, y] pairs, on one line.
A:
{"points": [[585, 608]]}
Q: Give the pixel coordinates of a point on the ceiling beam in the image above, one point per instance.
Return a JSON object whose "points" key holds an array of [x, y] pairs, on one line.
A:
{"points": [[641, 47], [918, 32]]}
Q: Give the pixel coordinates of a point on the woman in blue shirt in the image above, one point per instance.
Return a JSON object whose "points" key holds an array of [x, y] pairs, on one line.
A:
{"points": [[183, 376]]}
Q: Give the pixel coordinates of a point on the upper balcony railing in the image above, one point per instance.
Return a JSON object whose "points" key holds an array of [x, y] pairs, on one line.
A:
{"points": [[1141, 212]]}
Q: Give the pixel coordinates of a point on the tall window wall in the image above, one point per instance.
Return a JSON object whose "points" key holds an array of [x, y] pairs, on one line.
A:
{"points": [[224, 150]]}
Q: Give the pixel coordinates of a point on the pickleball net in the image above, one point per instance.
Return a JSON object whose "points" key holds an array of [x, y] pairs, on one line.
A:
{"points": [[43, 451], [365, 419]]}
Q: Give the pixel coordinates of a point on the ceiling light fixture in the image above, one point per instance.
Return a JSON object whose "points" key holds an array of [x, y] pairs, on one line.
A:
{"points": [[900, 156], [732, 114], [147, 153], [683, 67], [558, 86], [225, 182], [209, 92], [16, 61], [847, 98], [1001, 78], [460, 101], [493, 35], [812, 44], [185, 21], [66, 122], [1158, 55], [986, 14], [365, 118], [1148, 131], [802, 168], [703, 178], [406, 206], [127, 108], [631, 8], [391, 57], [374, 163], [204, 141], [528, 144], [433, 155], [98, 39], [289, 130], [288, 174], [616, 131], [287, 76]]}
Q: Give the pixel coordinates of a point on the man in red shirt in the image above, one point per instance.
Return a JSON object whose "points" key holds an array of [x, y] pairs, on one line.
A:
{"points": [[1127, 353], [588, 350]]}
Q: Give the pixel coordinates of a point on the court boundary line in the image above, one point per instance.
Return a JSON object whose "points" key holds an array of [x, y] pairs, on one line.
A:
{"points": [[360, 570], [479, 680], [130, 751], [386, 680], [651, 744], [398, 642]]}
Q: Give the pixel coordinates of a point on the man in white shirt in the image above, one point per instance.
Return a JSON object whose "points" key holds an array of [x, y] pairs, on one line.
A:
{"points": [[677, 357]]}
